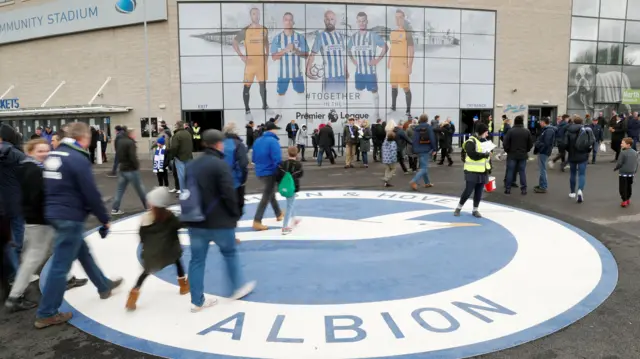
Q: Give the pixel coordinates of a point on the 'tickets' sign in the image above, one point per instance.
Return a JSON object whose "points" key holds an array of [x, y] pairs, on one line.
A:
{"points": [[9, 104]]}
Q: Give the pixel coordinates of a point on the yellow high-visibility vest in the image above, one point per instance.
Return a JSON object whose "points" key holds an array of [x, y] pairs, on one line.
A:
{"points": [[196, 133], [480, 166]]}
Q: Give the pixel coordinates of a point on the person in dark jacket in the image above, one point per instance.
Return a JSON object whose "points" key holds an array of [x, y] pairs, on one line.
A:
{"points": [[120, 131], [314, 142], [181, 149], [94, 144], [543, 147], [598, 133], [10, 158], [517, 144], [378, 133], [577, 158], [129, 171], [235, 154], [424, 145], [350, 138], [326, 141], [560, 132], [292, 130], [160, 243], [250, 134], [214, 180], [445, 141], [618, 131], [633, 129], [161, 162], [70, 195], [476, 169], [401, 141]]}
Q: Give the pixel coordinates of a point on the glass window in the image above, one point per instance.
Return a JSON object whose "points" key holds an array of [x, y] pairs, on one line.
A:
{"points": [[583, 52], [611, 30], [633, 9], [477, 46], [632, 55], [632, 32], [608, 76], [199, 16], [584, 29], [632, 74], [478, 22], [586, 7], [609, 53], [444, 21], [615, 9]]}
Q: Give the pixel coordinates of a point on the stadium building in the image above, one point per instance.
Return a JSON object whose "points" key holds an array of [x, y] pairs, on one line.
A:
{"points": [[220, 62]]}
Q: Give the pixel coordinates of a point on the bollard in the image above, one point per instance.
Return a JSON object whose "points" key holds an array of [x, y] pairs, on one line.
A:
{"points": [[99, 153]]}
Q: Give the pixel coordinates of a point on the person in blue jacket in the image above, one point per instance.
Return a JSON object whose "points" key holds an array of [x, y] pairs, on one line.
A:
{"points": [[235, 154], [70, 195], [424, 145], [543, 147], [266, 157]]}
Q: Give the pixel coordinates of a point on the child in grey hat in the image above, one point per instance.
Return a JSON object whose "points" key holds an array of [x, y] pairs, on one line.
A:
{"points": [[160, 242]]}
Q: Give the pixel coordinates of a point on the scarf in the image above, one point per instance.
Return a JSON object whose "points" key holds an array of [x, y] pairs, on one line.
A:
{"points": [[158, 160]]}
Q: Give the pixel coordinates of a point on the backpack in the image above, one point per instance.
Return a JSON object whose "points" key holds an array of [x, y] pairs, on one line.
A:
{"points": [[423, 136], [584, 141], [287, 186], [191, 207]]}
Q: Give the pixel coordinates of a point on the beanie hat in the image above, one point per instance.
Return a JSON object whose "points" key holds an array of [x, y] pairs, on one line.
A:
{"points": [[159, 197], [161, 140], [481, 128]]}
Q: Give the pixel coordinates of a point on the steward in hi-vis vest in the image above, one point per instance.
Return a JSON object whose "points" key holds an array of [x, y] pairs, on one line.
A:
{"points": [[477, 167]]}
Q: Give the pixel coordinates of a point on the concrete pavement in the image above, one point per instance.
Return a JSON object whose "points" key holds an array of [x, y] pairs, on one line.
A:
{"points": [[610, 332]]}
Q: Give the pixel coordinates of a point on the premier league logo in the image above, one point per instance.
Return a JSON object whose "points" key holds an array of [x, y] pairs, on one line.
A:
{"points": [[333, 116], [366, 274]]}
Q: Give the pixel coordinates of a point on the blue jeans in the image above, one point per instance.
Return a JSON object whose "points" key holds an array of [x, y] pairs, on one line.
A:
{"points": [[114, 169], [423, 171], [288, 214], [635, 142], [542, 166], [365, 158], [581, 169], [521, 167], [10, 263], [596, 148], [68, 246], [181, 168], [124, 178], [225, 239], [17, 229]]}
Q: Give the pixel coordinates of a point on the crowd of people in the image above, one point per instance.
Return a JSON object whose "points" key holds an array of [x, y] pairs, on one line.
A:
{"points": [[47, 189]]}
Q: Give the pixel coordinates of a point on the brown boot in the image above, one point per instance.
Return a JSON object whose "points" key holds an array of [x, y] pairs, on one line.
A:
{"points": [[184, 285], [59, 318], [133, 298], [414, 186], [258, 226], [238, 240], [281, 216]]}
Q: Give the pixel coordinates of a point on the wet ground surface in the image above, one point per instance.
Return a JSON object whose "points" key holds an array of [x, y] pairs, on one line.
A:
{"points": [[609, 332]]}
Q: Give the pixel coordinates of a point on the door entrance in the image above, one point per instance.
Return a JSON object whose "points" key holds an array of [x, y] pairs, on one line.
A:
{"points": [[467, 120], [206, 119], [536, 113]]}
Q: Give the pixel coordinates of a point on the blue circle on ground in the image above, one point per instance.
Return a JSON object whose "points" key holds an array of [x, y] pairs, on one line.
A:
{"points": [[365, 270], [595, 298]]}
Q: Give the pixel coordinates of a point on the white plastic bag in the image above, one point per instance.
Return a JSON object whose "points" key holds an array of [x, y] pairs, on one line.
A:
{"points": [[603, 147]]}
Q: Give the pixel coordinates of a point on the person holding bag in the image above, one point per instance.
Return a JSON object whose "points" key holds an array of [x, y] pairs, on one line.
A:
{"points": [[289, 173]]}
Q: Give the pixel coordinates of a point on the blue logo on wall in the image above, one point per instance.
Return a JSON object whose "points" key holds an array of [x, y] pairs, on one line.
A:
{"points": [[126, 6]]}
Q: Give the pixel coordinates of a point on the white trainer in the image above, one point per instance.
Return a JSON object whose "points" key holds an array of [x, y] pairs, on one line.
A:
{"points": [[244, 290], [208, 303]]}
